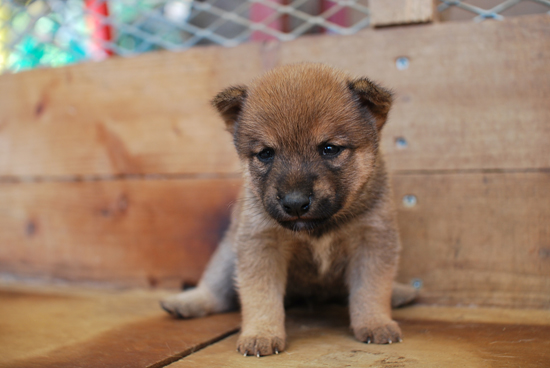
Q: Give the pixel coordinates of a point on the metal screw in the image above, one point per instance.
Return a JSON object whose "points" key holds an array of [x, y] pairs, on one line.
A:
{"points": [[409, 200], [402, 63], [401, 143], [417, 283]]}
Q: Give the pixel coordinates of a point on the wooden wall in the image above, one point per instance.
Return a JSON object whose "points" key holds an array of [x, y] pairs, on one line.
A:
{"points": [[121, 172]]}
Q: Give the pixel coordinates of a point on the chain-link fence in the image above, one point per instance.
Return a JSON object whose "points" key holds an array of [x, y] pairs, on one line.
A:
{"points": [[57, 32]]}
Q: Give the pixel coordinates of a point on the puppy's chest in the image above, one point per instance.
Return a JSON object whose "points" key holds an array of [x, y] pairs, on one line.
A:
{"points": [[325, 256]]}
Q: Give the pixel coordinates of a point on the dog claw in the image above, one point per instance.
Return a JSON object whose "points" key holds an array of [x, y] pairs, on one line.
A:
{"points": [[245, 353], [258, 354], [276, 351], [389, 341], [400, 340], [368, 340]]}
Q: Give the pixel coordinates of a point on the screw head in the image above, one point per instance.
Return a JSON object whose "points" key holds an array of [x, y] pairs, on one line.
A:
{"points": [[401, 142], [409, 200], [402, 63], [417, 283]]}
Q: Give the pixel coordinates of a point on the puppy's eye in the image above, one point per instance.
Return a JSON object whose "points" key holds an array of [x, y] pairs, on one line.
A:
{"points": [[330, 150], [266, 155]]}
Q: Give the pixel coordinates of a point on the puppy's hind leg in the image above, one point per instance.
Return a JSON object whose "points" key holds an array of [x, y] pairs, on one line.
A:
{"points": [[215, 293]]}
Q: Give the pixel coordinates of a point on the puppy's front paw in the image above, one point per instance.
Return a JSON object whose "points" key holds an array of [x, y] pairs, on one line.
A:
{"points": [[385, 332], [260, 345], [189, 304]]}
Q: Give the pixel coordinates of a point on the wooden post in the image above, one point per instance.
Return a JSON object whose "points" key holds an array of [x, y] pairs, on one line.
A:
{"points": [[399, 12]]}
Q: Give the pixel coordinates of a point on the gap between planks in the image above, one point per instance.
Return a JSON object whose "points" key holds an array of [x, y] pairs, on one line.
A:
{"points": [[117, 177], [174, 358], [201, 176]]}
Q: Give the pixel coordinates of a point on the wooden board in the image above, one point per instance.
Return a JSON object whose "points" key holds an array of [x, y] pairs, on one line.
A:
{"points": [[321, 338], [121, 172], [142, 232], [149, 114], [395, 12], [473, 97], [45, 326], [480, 238], [477, 238], [70, 327]]}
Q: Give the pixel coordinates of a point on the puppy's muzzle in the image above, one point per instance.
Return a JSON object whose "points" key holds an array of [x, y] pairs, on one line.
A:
{"points": [[295, 204]]}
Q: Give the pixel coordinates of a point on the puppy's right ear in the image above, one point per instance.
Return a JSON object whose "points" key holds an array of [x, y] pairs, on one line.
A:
{"points": [[229, 103]]}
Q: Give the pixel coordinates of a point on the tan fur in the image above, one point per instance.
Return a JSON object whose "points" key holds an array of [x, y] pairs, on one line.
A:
{"points": [[314, 218]]}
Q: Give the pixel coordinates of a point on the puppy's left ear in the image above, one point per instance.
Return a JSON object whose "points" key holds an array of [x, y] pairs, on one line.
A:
{"points": [[229, 103], [375, 98]]}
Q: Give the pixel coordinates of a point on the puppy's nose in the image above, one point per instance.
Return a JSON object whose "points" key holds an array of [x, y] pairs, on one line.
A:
{"points": [[295, 203]]}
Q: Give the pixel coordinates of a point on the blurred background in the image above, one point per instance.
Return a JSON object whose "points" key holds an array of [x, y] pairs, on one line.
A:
{"points": [[50, 33]]}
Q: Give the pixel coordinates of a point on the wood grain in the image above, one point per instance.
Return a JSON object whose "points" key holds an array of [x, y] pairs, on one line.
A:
{"points": [[472, 107], [475, 96], [321, 338], [72, 327], [399, 12], [477, 238], [148, 233], [149, 114]]}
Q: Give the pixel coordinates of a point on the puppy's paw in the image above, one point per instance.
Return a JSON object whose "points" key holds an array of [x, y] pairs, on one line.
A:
{"points": [[386, 332], [189, 304], [260, 345]]}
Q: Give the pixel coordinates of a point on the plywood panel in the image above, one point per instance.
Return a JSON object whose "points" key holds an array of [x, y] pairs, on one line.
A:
{"points": [[394, 12], [149, 114], [142, 232], [474, 96], [477, 238]]}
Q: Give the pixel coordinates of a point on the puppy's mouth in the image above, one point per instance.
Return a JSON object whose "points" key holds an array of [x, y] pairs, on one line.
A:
{"points": [[302, 224]]}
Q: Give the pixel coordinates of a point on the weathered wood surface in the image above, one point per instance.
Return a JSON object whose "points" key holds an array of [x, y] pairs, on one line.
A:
{"points": [[128, 232], [68, 327], [473, 97], [472, 104], [323, 339], [396, 12], [78, 327], [149, 114], [477, 238]]}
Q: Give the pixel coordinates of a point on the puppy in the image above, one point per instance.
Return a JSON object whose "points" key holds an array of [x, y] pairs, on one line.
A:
{"points": [[314, 218]]}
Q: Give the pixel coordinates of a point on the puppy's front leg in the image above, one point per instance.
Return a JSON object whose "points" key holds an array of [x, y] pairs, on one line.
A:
{"points": [[370, 276], [261, 279]]}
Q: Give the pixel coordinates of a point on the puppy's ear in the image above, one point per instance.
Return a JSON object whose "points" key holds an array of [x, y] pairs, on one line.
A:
{"points": [[229, 103], [375, 98]]}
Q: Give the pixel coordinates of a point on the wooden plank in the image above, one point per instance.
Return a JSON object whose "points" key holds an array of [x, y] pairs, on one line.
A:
{"points": [[477, 238], [71, 327], [395, 12], [149, 114], [471, 238], [321, 338], [128, 232], [474, 96], [419, 312]]}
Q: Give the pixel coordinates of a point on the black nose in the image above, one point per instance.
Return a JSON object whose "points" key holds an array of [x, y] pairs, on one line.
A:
{"points": [[295, 203]]}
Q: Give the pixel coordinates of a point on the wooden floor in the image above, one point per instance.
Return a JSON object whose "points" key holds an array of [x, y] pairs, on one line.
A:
{"points": [[45, 326]]}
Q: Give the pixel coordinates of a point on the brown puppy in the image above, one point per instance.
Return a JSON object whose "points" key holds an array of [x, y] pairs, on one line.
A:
{"points": [[315, 216]]}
